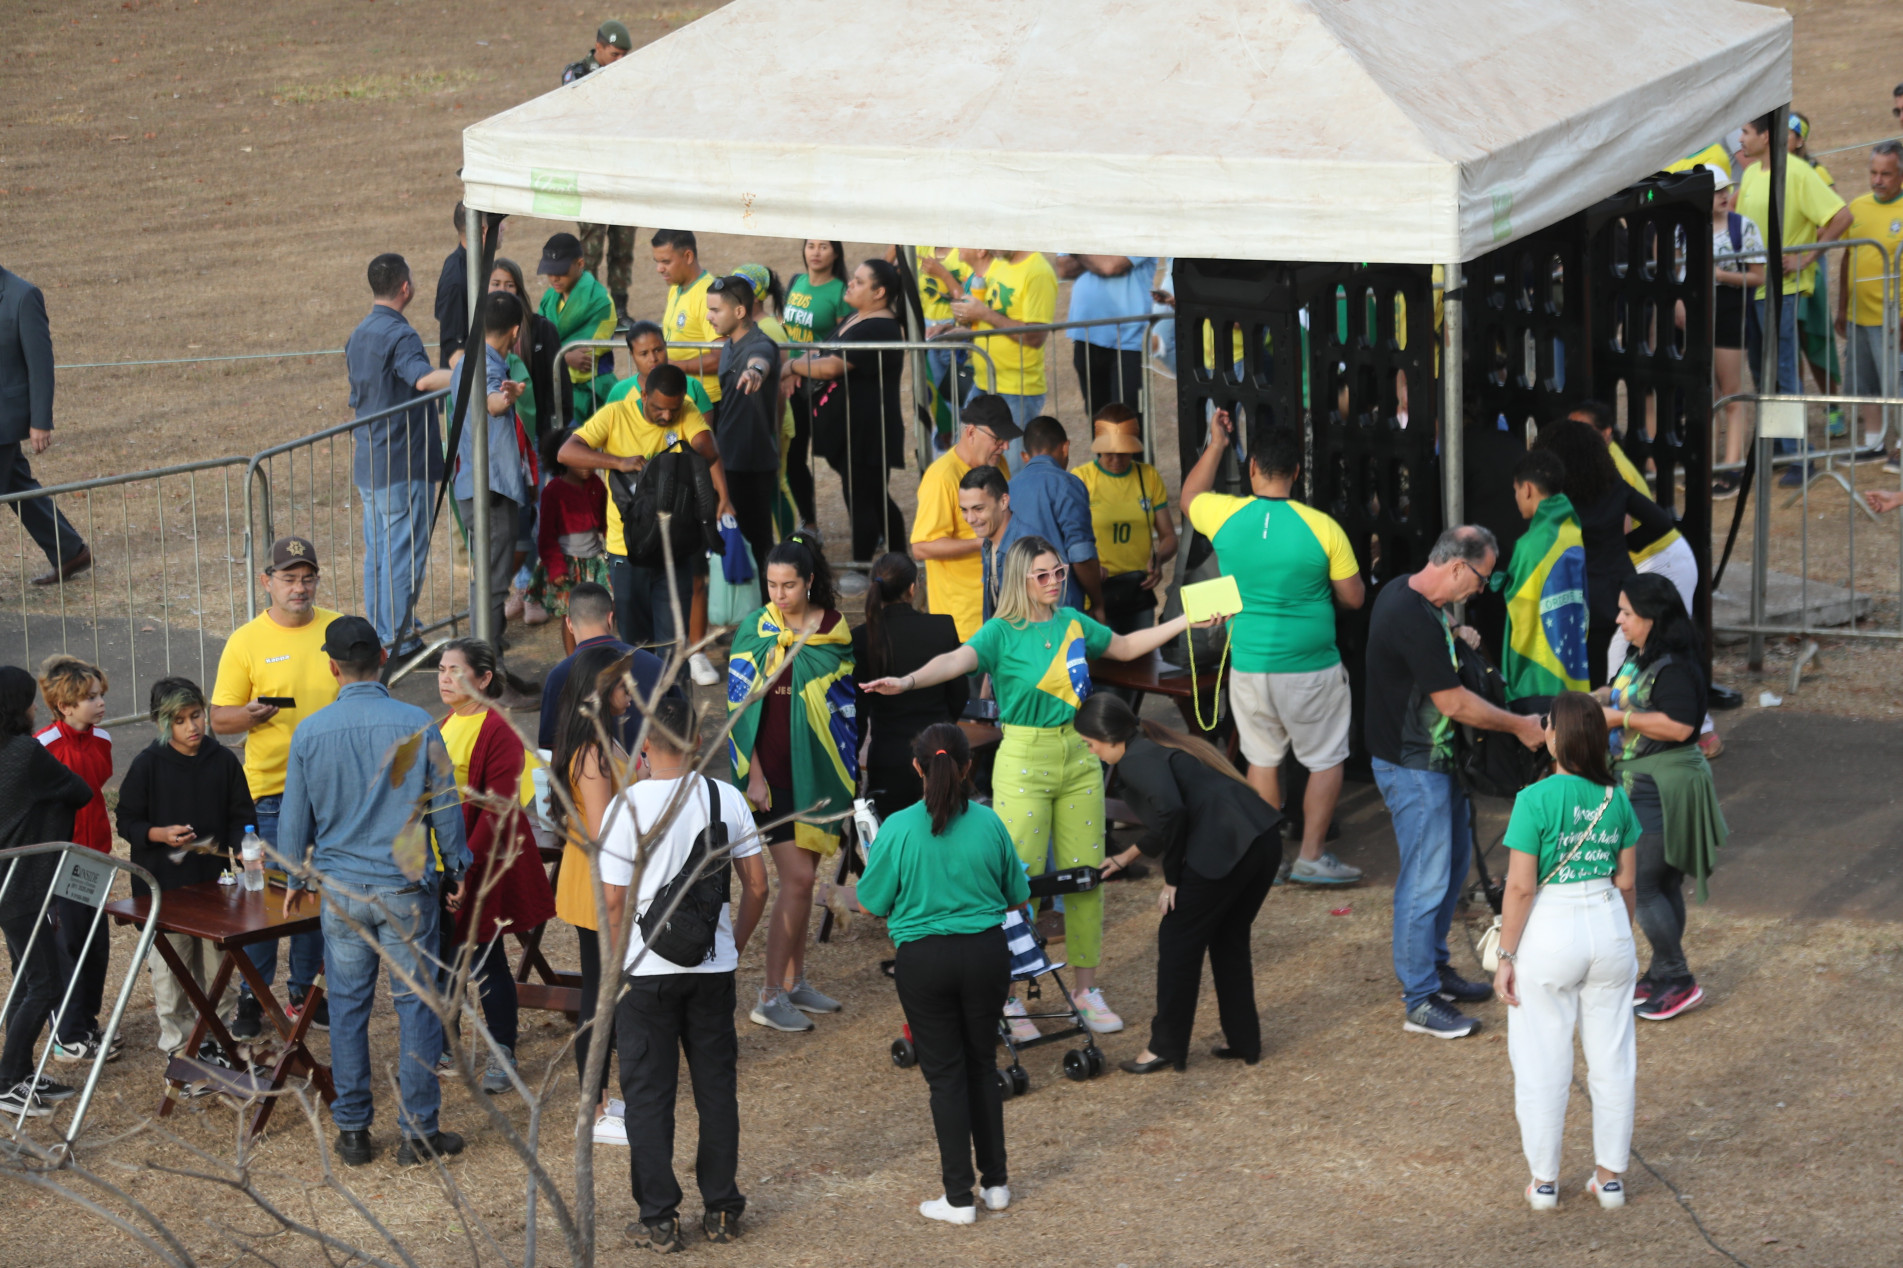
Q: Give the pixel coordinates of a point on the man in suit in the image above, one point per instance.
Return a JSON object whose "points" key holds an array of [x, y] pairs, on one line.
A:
{"points": [[26, 417]]}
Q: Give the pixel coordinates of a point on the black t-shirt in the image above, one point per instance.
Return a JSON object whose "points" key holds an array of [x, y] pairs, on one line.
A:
{"points": [[745, 429], [1410, 657], [1676, 688], [452, 304]]}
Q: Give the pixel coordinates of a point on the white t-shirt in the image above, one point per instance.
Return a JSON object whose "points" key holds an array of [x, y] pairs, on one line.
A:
{"points": [[649, 801]]}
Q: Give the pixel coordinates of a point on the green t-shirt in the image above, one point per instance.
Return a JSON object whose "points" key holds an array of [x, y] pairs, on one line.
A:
{"points": [[961, 882], [1284, 557], [695, 392], [1549, 816], [813, 311], [1041, 673]]}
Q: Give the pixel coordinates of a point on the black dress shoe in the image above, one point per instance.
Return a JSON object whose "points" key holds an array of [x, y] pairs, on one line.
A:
{"points": [[416, 1149], [354, 1147], [1152, 1065], [1230, 1054]]}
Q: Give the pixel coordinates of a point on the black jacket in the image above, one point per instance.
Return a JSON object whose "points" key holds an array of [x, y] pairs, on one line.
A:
{"points": [[38, 798], [26, 360], [1609, 546], [1194, 816], [914, 638], [163, 787]]}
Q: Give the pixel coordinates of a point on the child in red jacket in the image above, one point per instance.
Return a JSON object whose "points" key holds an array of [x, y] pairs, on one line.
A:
{"points": [[76, 693], [570, 537]]}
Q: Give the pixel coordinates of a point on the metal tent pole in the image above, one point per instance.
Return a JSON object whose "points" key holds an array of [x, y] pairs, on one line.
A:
{"points": [[1774, 301], [1452, 447], [476, 419]]}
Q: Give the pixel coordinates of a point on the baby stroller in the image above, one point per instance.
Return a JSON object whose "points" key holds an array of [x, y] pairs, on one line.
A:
{"points": [[1028, 964]]}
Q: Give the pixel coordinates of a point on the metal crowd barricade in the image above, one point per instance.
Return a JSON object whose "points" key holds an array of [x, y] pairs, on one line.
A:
{"points": [[148, 534], [84, 877]]}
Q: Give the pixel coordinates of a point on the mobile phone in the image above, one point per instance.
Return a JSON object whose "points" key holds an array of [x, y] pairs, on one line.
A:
{"points": [[1162, 297], [282, 702], [981, 710]]}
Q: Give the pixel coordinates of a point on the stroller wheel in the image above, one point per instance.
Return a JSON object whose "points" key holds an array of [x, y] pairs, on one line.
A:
{"points": [[1020, 1080], [902, 1054], [1094, 1055], [1076, 1065], [1006, 1089]]}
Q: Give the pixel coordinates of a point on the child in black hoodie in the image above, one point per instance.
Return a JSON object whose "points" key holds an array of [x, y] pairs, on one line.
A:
{"points": [[183, 808]]}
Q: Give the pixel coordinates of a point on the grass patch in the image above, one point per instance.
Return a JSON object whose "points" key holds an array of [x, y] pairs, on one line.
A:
{"points": [[373, 87]]}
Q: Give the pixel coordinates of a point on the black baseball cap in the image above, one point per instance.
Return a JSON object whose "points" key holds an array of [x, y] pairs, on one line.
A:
{"points": [[989, 411], [351, 638], [559, 254]]}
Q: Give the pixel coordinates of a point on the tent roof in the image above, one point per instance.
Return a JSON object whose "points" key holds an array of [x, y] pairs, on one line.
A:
{"points": [[1399, 131]]}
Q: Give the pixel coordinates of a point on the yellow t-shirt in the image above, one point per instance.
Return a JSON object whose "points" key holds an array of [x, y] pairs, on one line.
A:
{"points": [[621, 429], [1808, 206], [1636, 478], [932, 297], [1882, 222], [686, 320], [1026, 292], [574, 895], [263, 658], [953, 587], [1714, 154], [1123, 514]]}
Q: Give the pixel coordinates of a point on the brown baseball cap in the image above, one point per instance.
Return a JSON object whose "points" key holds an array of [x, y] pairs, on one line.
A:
{"points": [[1116, 435], [286, 551]]}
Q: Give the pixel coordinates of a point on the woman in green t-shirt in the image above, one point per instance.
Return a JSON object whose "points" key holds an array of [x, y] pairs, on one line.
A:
{"points": [[1566, 952], [815, 305], [943, 872], [1045, 784]]}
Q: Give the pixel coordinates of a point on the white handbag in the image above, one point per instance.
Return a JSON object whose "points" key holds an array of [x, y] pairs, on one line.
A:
{"points": [[1489, 944]]}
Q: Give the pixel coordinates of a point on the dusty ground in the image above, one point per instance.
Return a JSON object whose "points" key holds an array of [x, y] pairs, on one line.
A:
{"points": [[229, 173]]}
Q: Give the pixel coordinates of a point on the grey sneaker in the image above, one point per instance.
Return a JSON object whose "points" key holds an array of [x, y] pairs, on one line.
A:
{"points": [[1281, 873], [495, 1076], [808, 1000], [1442, 1020], [777, 1012], [1326, 870]]}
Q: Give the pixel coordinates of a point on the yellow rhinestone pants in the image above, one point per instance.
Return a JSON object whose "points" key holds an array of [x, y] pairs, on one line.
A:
{"points": [[1048, 789]]}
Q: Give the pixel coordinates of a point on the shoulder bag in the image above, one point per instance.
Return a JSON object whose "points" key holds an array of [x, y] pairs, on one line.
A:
{"points": [[1489, 944]]}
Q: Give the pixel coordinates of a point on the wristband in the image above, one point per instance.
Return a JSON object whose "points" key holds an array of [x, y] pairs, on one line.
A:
{"points": [[1508, 957]]}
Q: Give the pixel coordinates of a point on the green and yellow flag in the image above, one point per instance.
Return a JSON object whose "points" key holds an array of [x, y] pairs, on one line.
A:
{"points": [[825, 725], [1545, 588]]}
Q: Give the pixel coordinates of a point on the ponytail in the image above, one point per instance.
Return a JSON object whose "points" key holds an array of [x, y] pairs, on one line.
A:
{"points": [[800, 552], [892, 575], [944, 756], [1108, 720]]}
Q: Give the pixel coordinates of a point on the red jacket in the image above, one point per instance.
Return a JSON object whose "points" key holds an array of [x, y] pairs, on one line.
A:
{"points": [[568, 508], [521, 895], [88, 754]]}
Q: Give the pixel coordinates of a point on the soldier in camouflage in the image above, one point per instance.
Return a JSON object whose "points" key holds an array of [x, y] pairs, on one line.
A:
{"points": [[612, 43]]}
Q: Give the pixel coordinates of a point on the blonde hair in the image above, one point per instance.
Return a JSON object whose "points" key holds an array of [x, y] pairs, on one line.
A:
{"points": [[67, 680], [1015, 604]]}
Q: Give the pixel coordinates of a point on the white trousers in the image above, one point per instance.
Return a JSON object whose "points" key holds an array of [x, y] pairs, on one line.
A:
{"points": [[1576, 964], [1678, 565]]}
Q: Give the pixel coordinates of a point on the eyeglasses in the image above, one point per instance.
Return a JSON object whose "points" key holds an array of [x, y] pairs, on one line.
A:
{"points": [[1482, 577], [300, 580], [1051, 576], [721, 285]]}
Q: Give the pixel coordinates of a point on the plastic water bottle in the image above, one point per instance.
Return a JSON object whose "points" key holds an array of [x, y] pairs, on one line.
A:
{"points": [[866, 819], [253, 854]]}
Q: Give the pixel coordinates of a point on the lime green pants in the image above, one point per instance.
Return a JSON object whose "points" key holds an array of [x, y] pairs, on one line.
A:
{"points": [[1048, 789]]}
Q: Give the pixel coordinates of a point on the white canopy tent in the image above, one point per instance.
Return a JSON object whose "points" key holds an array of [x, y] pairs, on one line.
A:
{"points": [[1398, 131]]}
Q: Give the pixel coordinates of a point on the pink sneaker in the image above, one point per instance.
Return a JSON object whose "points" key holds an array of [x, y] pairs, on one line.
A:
{"points": [[1097, 1014], [1023, 1030], [534, 613]]}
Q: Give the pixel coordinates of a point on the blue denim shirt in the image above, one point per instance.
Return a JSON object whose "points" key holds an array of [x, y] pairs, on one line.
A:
{"points": [[1093, 297], [338, 798], [506, 474], [384, 358], [1049, 502]]}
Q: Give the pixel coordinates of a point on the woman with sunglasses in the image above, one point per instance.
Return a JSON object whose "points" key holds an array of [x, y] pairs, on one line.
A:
{"points": [[1566, 953], [1046, 785]]}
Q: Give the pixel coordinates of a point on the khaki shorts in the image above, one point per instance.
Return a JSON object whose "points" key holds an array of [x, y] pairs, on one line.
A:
{"points": [[1310, 711]]}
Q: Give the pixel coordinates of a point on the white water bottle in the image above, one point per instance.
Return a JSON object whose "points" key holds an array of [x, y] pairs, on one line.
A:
{"points": [[866, 819], [253, 854]]}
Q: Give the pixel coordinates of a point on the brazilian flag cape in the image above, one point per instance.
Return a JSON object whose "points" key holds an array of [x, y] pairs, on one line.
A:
{"points": [[1545, 587], [587, 313], [825, 723]]}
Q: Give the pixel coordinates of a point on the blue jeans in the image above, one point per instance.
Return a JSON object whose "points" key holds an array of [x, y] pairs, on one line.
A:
{"points": [[307, 949], [1435, 834], [395, 552], [643, 615], [1787, 352], [403, 921], [1023, 410]]}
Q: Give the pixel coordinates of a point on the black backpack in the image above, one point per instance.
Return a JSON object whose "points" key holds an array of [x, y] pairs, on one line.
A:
{"points": [[686, 935], [1492, 763], [677, 481]]}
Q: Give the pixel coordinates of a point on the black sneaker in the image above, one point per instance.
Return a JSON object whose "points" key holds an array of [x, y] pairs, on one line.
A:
{"points": [[52, 1090], [320, 1021], [1442, 1020], [1724, 485], [354, 1147], [248, 1024], [1455, 989], [21, 1099], [415, 1150], [721, 1227], [662, 1236], [113, 1049]]}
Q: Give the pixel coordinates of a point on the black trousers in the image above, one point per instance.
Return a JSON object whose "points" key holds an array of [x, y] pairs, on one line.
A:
{"points": [[42, 520], [952, 987], [1659, 891], [1212, 916], [88, 974], [862, 476], [657, 1020], [751, 493], [799, 466], [1107, 375], [590, 944], [1599, 632], [38, 994]]}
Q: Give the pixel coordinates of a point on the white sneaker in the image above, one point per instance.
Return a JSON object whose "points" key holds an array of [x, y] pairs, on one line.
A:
{"points": [[1542, 1195], [1611, 1193], [1022, 1029], [705, 675], [1097, 1014], [939, 1209], [997, 1197], [611, 1129], [618, 1108]]}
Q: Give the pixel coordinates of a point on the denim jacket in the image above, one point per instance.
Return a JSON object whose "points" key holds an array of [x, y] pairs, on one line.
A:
{"points": [[338, 802]]}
